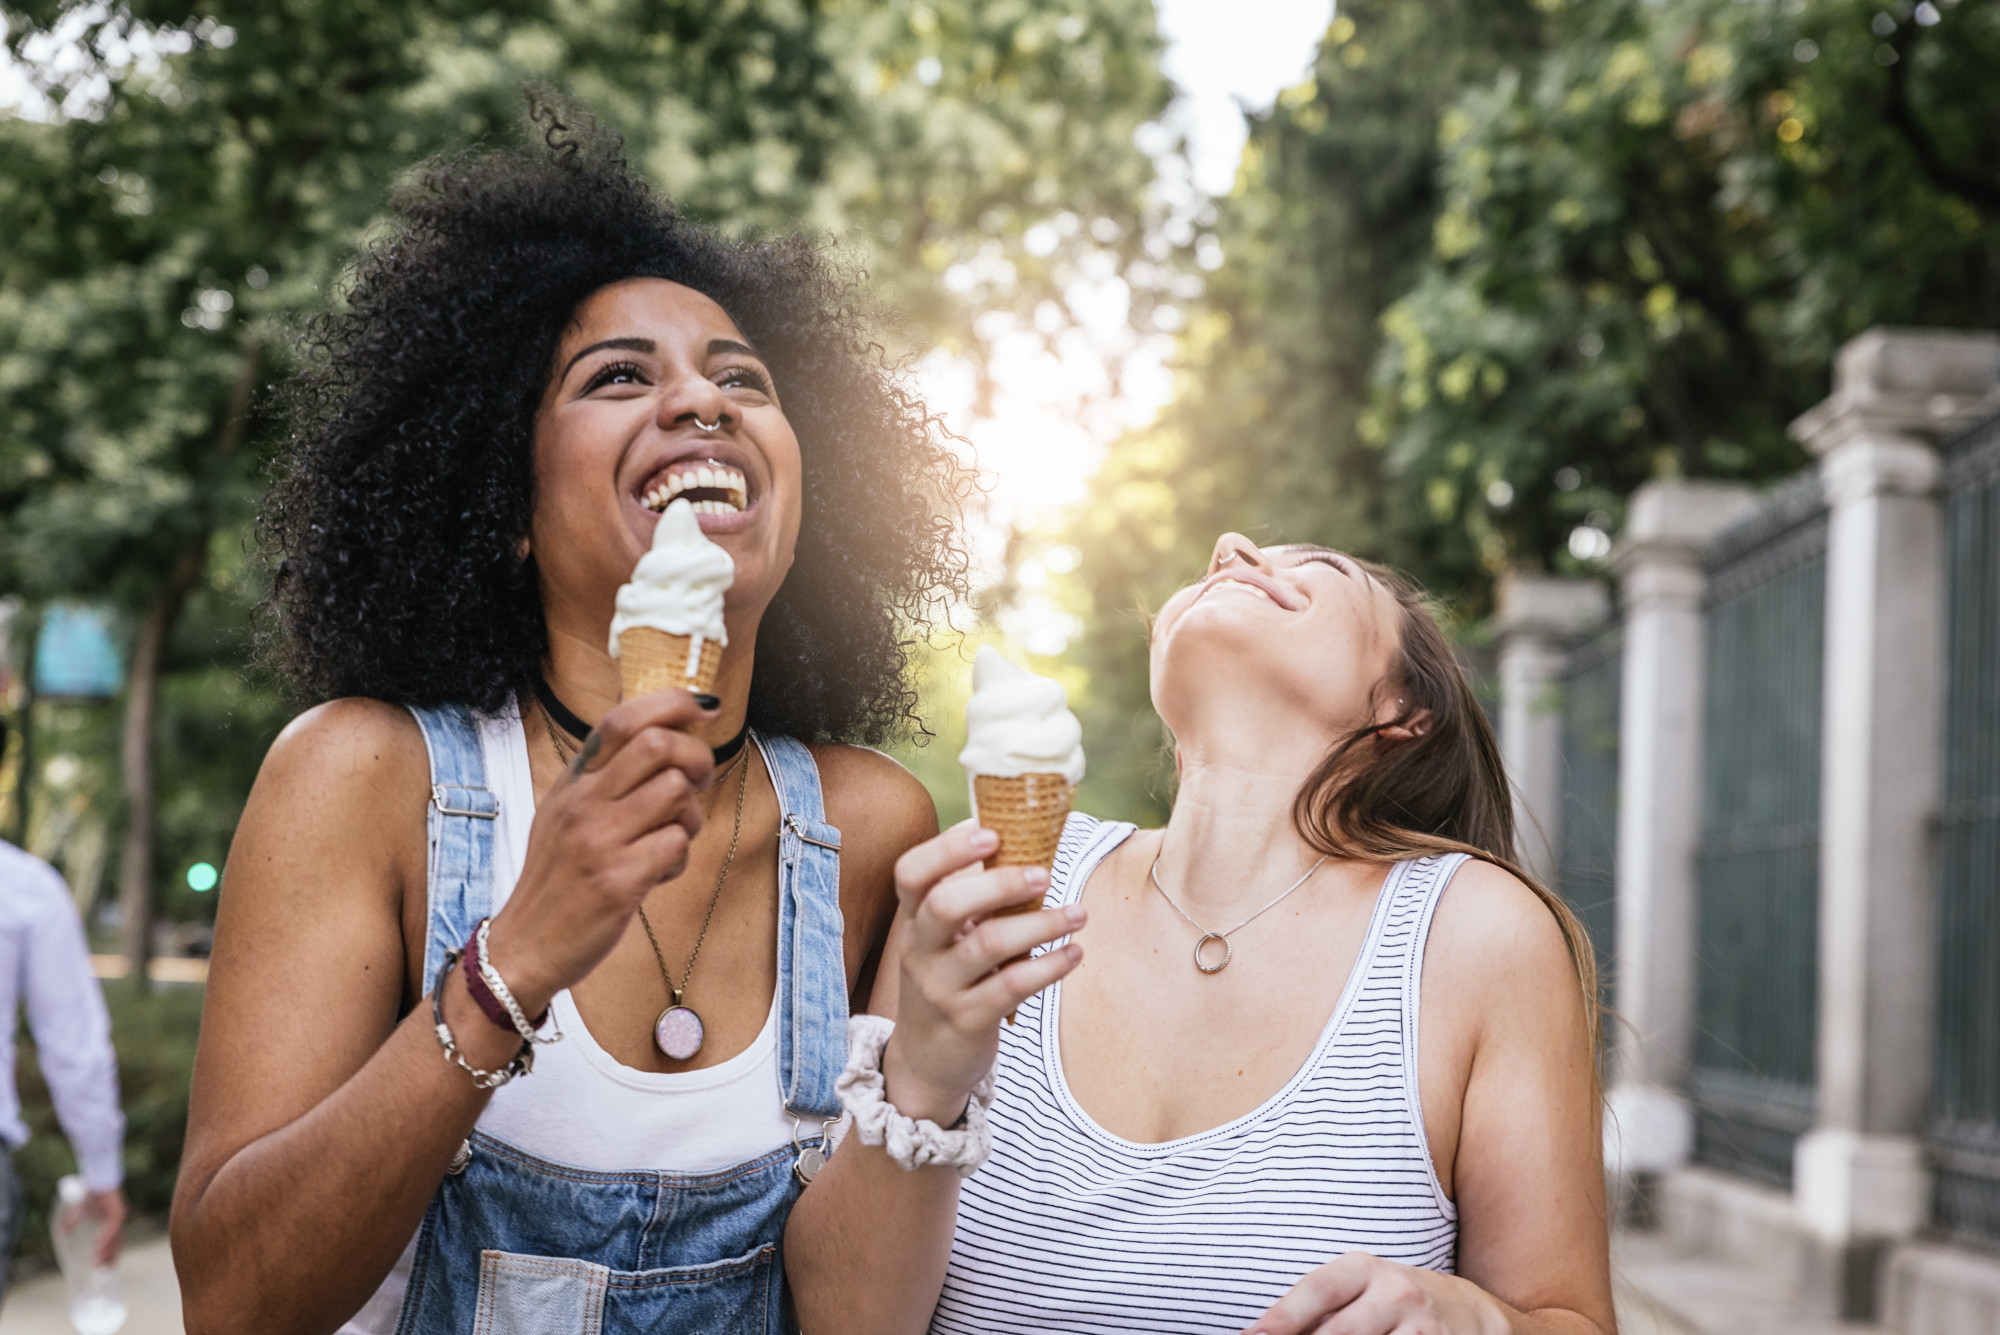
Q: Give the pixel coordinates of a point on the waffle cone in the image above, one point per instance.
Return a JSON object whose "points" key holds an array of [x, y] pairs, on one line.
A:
{"points": [[653, 660], [1027, 811]]}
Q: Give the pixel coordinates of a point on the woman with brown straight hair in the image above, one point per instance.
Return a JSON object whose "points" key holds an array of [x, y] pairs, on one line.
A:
{"points": [[1329, 1066]]}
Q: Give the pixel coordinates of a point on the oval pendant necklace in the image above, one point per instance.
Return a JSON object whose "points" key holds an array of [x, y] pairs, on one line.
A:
{"points": [[1204, 954], [678, 1033]]}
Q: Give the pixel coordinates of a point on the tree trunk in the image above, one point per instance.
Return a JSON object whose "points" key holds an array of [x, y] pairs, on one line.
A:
{"points": [[135, 873], [27, 638], [135, 885]]}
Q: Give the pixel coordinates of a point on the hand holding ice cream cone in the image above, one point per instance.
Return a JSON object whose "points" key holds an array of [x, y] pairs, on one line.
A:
{"points": [[668, 631]]}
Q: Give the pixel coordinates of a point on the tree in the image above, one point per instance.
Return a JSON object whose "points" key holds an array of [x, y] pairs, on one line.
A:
{"points": [[1651, 245], [202, 170], [1496, 265], [1329, 222]]}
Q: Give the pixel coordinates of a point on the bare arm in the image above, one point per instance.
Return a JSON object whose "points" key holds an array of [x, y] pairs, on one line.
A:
{"points": [[320, 1123], [867, 1245], [1523, 1151]]}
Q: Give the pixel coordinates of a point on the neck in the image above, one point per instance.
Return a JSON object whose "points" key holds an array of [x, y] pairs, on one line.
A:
{"points": [[1231, 840], [584, 676]]}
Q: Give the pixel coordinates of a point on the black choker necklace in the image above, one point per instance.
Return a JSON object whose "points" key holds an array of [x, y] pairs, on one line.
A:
{"points": [[567, 720]]}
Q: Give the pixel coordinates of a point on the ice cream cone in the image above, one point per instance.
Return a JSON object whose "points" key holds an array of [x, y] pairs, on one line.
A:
{"points": [[655, 660], [1027, 811]]}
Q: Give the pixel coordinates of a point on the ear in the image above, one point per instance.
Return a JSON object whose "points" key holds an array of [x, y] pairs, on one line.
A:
{"points": [[1408, 730], [522, 550]]}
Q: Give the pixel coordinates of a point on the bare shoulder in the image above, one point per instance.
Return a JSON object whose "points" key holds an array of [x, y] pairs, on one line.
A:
{"points": [[1497, 947], [880, 807], [342, 789], [349, 740]]}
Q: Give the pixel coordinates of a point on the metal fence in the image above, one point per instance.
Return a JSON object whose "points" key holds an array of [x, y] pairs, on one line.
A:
{"points": [[1587, 837], [1758, 864], [1965, 1139]]}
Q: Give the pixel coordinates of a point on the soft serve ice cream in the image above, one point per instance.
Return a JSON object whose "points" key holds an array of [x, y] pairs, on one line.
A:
{"points": [[1024, 756], [668, 629]]}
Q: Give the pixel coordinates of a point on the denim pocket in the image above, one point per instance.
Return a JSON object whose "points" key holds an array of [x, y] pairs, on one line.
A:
{"points": [[737, 1296], [539, 1295]]}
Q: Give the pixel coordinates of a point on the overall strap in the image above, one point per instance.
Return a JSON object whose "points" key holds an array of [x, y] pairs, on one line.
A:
{"points": [[460, 821], [812, 967]]}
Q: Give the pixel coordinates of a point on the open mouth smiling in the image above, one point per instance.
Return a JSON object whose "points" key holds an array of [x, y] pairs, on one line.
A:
{"points": [[1253, 582], [711, 486]]}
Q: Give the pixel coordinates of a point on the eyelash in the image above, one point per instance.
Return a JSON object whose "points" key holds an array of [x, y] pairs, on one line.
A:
{"points": [[751, 374], [1327, 558], [607, 374]]}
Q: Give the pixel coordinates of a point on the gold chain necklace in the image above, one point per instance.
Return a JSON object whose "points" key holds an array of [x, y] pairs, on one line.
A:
{"points": [[678, 1032]]}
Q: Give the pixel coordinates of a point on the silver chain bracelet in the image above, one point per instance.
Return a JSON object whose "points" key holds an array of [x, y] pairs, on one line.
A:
{"points": [[524, 1060], [498, 987]]}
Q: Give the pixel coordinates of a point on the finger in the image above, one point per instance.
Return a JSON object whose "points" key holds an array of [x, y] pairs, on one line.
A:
{"points": [[647, 752], [942, 917], [1323, 1292], [994, 942], [664, 798], [661, 855], [1002, 994], [919, 870], [677, 711]]}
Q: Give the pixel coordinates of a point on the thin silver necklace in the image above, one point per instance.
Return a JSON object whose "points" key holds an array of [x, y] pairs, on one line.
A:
{"points": [[1207, 936]]}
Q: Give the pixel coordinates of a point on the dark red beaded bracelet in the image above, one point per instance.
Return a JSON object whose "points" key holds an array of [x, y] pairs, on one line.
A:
{"points": [[475, 983]]}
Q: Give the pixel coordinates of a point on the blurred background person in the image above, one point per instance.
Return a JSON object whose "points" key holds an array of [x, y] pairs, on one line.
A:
{"points": [[45, 967]]}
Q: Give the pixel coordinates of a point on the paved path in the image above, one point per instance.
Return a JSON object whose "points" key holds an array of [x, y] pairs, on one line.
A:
{"points": [[39, 1307]]}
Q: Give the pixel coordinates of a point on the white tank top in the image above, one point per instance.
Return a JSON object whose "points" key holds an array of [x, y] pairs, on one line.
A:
{"points": [[1069, 1228], [580, 1106]]}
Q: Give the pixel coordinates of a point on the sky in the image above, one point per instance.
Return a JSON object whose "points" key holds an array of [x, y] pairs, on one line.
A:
{"points": [[1051, 422], [1227, 53]]}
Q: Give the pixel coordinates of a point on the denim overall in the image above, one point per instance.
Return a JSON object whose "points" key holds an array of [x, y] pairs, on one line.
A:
{"points": [[515, 1245]]}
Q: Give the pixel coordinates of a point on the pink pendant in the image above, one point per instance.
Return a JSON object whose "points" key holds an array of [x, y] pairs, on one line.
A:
{"points": [[678, 1032]]}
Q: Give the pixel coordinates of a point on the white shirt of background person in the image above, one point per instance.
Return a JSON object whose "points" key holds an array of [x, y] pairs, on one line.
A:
{"points": [[45, 964]]}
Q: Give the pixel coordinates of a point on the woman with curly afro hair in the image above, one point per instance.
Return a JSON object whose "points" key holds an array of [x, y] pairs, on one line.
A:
{"points": [[527, 1002]]}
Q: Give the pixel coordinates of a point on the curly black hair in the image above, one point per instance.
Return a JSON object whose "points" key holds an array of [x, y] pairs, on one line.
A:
{"points": [[406, 485]]}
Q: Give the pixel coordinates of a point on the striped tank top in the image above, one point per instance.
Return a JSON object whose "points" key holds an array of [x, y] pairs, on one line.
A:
{"points": [[1068, 1228]]}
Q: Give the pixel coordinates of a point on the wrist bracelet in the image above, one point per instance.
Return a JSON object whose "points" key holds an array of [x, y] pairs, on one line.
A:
{"points": [[476, 950], [489, 1005], [909, 1142], [524, 1060]]}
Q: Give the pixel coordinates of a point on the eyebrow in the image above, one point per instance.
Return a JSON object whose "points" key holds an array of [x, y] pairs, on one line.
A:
{"points": [[717, 347]]}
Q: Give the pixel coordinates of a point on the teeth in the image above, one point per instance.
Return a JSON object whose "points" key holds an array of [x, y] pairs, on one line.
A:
{"points": [[702, 479]]}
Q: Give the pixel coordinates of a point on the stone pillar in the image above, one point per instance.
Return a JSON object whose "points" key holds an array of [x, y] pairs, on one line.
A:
{"points": [[1539, 618], [1859, 1176], [1649, 1127]]}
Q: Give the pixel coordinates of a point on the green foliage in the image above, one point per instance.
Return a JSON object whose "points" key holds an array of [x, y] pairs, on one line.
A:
{"points": [[1330, 221], [1650, 245], [155, 1037], [1495, 265], [183, 212]]}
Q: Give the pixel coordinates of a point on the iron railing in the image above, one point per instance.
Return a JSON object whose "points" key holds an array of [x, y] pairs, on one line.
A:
{"points": [[1758, 863], [1587, 838], [1965, 1138]]}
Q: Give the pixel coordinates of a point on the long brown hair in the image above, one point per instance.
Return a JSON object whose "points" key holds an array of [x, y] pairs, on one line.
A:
{"points": [[1442, 791]]}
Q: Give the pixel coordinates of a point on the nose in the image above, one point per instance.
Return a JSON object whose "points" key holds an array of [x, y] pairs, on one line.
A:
{"points": [[1234, 547], [695, 400]]}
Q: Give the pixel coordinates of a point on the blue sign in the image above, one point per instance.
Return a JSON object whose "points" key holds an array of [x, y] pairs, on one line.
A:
{"points": [[76, 654]]}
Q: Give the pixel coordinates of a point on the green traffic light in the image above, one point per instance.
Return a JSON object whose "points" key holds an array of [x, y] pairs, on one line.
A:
{"points": [[203, 876]]}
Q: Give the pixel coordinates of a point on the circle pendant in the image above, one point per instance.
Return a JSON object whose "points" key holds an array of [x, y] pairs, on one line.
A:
{"points": [[1202, 953], [678, 1032]]}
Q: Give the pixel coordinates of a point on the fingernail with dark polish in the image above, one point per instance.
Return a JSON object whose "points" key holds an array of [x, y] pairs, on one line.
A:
{"points": [[708, 701]]}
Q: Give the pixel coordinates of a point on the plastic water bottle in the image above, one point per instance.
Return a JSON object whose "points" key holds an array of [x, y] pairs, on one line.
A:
{"points": [[95, 1305]]}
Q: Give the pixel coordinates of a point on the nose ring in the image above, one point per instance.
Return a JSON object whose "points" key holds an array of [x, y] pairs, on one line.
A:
{"points": [[1227, 557], [716, 425]]}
